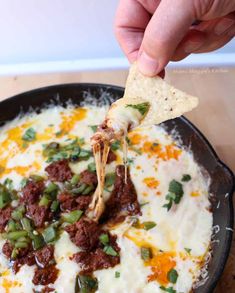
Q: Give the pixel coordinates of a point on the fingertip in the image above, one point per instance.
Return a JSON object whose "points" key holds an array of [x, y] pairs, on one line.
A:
{"points": [[148, 65]]}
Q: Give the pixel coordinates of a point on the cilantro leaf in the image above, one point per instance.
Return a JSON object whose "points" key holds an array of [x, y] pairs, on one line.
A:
{"points": [[186, 178], [142, 107], [29, 135], [172, 276]]}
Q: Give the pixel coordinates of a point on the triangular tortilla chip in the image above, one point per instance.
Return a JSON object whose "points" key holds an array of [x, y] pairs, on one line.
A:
{"points": [[166, 102]]}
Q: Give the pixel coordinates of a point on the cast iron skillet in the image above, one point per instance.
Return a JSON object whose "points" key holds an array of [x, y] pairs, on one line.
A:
{"points": [[222, 179]]}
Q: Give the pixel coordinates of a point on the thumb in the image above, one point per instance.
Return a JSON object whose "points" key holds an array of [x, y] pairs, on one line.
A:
{"points": [[167, 27]]}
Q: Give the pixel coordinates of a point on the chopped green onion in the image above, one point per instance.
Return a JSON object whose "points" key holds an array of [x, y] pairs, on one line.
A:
{"points": [[80, 189], [5, 198], [14, 253], [144, 204], [88, 189], [108, 249], [26, 224], [85, 154], [172, 276], [117, 274], [186, 177], [49, 234], [36, 178], [23, 182], [55, 205], [149, 225], [37, 241], [109, 179], [11, 226], [104, 239], [72, 217], [18, 213], [91, 167], [19, 244], [75, 179], [44, 201], [51, 190], [142, 107], [29, 135], [16, 235], [146, 253]]}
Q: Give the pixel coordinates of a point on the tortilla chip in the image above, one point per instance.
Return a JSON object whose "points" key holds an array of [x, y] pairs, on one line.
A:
{"points": [[166, 102]]}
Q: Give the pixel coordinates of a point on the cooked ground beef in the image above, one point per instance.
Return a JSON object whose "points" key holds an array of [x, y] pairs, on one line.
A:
{"points": [[88, 177], [123, 199], [59, 171], [111, 157], [5, 215], [7, 249], [28, 258], [45, 276], [32, 191], [39, 214], [96, 260], [70, 203], [44, 255], [85, 233]]}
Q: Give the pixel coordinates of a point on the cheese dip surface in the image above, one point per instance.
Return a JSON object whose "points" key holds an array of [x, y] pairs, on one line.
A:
{"points": [[156, 230]]}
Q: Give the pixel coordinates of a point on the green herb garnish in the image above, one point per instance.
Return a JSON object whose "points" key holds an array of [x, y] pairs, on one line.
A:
{"points": [[109, 250], [175, 194], [149, 225], [186, 178], [29, 135], [85, 284], [146, 253], [188, 250], [142, 107], [117, 274], [93, 127], [49, 234], [104, 239], [172, 276], [169, 290]]}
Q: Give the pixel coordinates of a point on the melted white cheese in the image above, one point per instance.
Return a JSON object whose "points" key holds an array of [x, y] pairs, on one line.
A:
{"points": [[186, 225]]}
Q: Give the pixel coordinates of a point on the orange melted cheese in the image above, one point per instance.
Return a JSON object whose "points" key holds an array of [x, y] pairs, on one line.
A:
{"points": [[151, 182], [69, 121], [163, 152], [161, 262], [7, 284]]}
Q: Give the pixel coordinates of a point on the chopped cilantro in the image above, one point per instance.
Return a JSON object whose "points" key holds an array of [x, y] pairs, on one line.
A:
{"points": [[146, 253], [169, 289], [175, 194], [29, 135], [188, 250], [117, 274], [142, 107], [172, 276], [149, 225], [186, 178], [86, 284]]}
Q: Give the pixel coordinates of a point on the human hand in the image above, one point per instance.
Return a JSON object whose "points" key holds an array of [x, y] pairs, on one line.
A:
{"points": [[157, 31]]}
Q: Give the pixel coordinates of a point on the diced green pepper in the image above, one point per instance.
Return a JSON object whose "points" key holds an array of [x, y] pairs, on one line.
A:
{"points": [[26, 223], [44, 201], [49, 234], [18, 213], [72, 216], [5, 198], [91, 167], [20, 244], [86, 284], [88, 189], [80, 189], [108, 249], [75, 179], [55, 205], [16, 235]]}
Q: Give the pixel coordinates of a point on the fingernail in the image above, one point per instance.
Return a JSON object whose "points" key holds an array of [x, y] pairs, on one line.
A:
{"points": [[192, 46], [147, 65], [223, 25]]}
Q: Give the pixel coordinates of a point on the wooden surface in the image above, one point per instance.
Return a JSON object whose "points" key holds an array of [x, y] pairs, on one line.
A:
{"points": [[215, 115]]}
